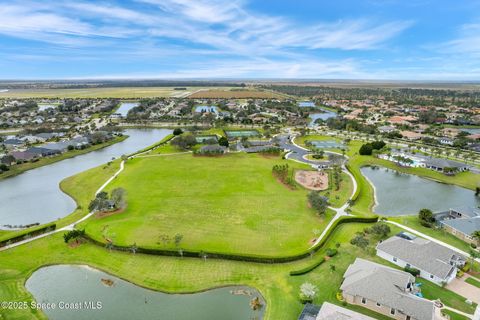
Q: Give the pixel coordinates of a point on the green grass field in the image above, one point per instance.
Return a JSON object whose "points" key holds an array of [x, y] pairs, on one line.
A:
{"points": [[190, 274], [229, 204], [473, 281]]}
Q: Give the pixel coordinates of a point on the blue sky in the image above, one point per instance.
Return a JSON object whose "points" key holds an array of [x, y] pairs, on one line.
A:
{"points": [[308, 39]]}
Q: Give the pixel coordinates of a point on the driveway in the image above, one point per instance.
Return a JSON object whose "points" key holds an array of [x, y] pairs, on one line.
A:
{"points": [[465, 289]]}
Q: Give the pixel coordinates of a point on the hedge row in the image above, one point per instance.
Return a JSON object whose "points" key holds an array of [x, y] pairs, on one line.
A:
{"points": [[357, 178], [19, 236], [308, 268], [237, 257]]}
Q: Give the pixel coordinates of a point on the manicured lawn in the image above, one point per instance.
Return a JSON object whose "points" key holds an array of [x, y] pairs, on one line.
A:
{"points": [[454, 315], [172, 274], [339, 197], [432, 291], [440, 234], [229, 204], [473, 282]]}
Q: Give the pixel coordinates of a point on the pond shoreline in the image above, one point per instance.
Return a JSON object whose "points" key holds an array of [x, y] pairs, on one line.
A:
{"points": [[234, 287], [64, 156]]}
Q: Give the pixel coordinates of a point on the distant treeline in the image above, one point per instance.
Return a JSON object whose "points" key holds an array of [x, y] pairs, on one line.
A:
{"points": [[114, 84], [401, 95]]}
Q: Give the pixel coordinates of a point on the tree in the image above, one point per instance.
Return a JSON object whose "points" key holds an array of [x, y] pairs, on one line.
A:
{"points": [[381, 229], [426, 217], [177, 131], [476, 235], [118, 197], [308, 292], [73, 234], [184, 141], [318, 202], [223, 142], [360, 241], [366, 150], [178, 238]]}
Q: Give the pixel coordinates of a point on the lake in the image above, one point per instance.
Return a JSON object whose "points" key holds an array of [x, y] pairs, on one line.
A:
{"points": [[306, 104], [203, 109], [35, 196], [67, 284], [471, 130], [327, 114], [401, 194], [125, 107]]}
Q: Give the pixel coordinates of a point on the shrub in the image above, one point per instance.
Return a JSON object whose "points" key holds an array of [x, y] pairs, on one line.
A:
{"points": [[360, 241], [318, 202], [381, 229], [366, 150], [413, 271], [331, 252], [223, 142], [426, 217], [177, 131], [308, 292]]}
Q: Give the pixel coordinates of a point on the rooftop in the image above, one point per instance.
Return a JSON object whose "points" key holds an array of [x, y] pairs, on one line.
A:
{"points": [[422, 254], [386, 286]]}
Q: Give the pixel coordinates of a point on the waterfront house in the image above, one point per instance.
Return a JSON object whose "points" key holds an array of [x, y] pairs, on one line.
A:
{"points": [[385, 290], [330, 311], [435, 262], [461, 222]]}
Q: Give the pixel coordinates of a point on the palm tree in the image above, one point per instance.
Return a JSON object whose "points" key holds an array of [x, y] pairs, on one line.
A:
{"points": [[476, 235]]}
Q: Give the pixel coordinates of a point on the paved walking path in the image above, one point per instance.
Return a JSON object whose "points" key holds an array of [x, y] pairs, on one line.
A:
{"points": [[469, 316], [72, 225], [297, 154]]}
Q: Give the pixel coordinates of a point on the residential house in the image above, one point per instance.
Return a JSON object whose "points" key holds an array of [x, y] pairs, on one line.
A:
{"points": [[446, 141], [23, 155], [386, 129], [8, 160], [443, 165], [42, 152], [435, 262], [329, 311], [13, 143], [461, 222], [411, 135], [385, 290]]}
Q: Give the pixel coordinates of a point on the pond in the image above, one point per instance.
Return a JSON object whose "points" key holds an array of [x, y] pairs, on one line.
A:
{"points": [[202, 109], [66, 284], [471, 130], [306, 104], [325, 115], [125, 107], [401, 194], [43, 107], [35, 196]]}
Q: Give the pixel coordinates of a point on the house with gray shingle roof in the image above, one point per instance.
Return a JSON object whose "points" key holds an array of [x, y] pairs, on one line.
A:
{"points": [[385, 290], [435, 262], [461, 222]]}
